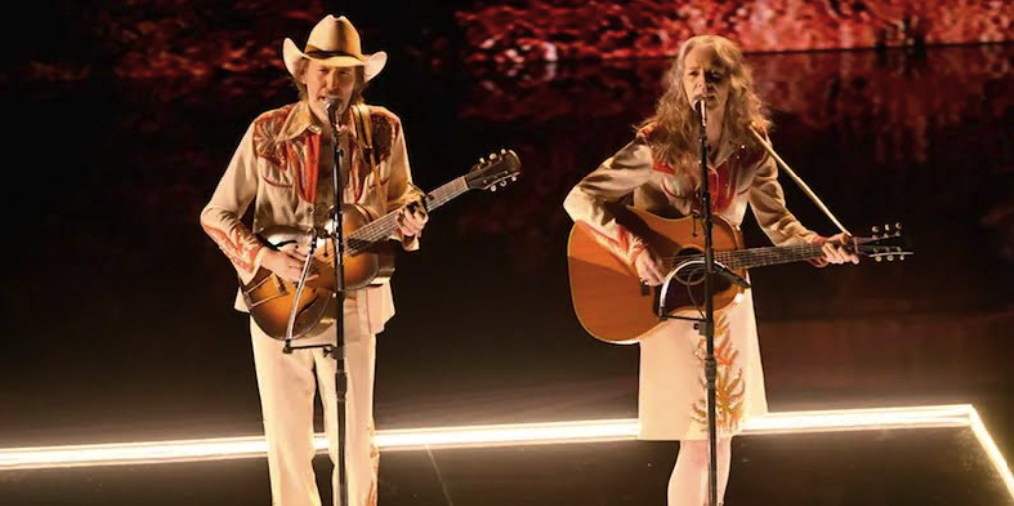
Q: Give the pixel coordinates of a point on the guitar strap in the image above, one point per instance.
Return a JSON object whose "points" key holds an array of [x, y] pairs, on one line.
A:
{"points": [[799, 181], [364, 129]]}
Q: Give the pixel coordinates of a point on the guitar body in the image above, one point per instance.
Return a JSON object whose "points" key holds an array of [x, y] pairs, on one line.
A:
{"points": [[270, 299], [367, 258], [611, 302]]}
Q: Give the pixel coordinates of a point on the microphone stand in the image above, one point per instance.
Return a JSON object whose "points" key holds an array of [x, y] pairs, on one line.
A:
{"points": [[340, 374], [706, 326], [708, 330], [338, 349]]}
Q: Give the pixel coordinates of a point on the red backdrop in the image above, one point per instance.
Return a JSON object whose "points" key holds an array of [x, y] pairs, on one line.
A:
{"points": [[566, 29]]}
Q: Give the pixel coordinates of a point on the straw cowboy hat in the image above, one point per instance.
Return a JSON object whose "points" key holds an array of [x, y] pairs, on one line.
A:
{"points": [[334, 41]]}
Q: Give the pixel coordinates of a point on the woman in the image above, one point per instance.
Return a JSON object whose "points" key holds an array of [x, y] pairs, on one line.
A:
{"points": [[659, 171]]}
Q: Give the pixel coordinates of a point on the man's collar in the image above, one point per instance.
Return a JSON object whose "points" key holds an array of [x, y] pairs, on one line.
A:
{"points": [[299, 120]]}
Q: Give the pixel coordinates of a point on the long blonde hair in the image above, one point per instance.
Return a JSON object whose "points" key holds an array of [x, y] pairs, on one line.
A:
{"points": [[675, 126]]}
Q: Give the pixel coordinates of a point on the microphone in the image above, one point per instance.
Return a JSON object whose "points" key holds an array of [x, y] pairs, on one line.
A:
{"points": [[331, 107], [331, 103], [701, 110]]}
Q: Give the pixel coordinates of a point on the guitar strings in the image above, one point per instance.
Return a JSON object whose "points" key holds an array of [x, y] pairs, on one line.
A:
{"points": [[383, 227], [738, 258]]}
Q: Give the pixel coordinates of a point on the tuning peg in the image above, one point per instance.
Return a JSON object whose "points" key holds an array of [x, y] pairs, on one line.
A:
{"points": [[492, 188], [878, 258], [887, 227], [503, 183], [514, 178], [897, 226], [492, 156], [503, 151], [875, 229]]}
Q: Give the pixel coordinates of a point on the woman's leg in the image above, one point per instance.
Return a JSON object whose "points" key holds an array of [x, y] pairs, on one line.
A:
{"points": [[724, 466], [688, 485]]}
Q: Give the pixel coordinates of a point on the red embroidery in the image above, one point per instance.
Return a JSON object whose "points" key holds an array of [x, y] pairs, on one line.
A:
{"points": [[637, 252], [718, 181], [751, 157], [385, 130], [721, 196], [668, 191], [622, 243], [305, 167], [241, 255], [623, 239], [265, 132], [722, 184], [301, 155]]}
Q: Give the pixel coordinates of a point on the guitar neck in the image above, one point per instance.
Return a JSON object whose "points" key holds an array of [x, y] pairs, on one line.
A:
{"points": [[382, 228], [774, 255]]}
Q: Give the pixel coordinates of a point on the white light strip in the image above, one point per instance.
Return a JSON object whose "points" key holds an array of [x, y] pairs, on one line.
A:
{"points": [[504, 435], [994, 453], [626, 429], [132, 453], [915, 417], [963, 415]]}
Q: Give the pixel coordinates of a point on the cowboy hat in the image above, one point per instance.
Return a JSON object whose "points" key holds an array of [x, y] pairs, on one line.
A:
{"points": [[334, 41]]}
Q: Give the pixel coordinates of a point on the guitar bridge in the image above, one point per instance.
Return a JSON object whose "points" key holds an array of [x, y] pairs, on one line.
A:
{"points": [[253, 300]]}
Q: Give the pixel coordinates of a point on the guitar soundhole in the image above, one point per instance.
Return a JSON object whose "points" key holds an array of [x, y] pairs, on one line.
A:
{"points": [[689, 267]]}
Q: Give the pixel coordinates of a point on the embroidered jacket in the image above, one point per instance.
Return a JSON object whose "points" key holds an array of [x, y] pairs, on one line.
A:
{"points": [[275, 167], [738, 176]]}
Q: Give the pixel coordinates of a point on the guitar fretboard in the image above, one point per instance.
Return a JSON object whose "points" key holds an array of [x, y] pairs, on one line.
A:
{"points": [[773, 255], [759, 257], [382, 228]]}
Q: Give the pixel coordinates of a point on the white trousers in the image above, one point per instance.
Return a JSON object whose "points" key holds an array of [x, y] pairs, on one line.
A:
{"points": [[287, 385]]}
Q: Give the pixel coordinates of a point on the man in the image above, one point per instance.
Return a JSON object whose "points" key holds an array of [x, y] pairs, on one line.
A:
{"points": [[283, 165]]}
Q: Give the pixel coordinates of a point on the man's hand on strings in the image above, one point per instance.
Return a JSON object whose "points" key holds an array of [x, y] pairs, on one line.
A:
{"points": [[411, 219], [287, 263]]}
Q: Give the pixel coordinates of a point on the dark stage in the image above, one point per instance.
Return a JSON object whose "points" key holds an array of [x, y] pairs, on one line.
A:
{"points": [[119, 324]]}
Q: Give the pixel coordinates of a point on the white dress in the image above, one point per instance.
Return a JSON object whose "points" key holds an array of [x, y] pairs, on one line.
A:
{"points": [[672, 401]]}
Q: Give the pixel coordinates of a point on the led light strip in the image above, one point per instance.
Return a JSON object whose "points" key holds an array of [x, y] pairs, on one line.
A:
{"points": [[482, 436]]}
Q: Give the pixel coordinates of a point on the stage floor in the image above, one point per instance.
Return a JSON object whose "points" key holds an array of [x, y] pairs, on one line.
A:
{"points": [[924, 466]]}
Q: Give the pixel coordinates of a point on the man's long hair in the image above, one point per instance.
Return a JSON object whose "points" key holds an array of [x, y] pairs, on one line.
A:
{"points": [[675, 134]]}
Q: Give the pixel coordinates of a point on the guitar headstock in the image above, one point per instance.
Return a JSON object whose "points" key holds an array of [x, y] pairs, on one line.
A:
{"points": [[495, 169], [885, 243]]}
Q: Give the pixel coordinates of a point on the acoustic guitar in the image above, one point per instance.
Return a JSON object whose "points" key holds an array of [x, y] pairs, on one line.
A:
{"points": [[368, 258], [614, 306]]}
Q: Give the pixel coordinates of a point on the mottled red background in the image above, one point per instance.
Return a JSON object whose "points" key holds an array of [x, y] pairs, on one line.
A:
{"points": [[566, 29]]}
